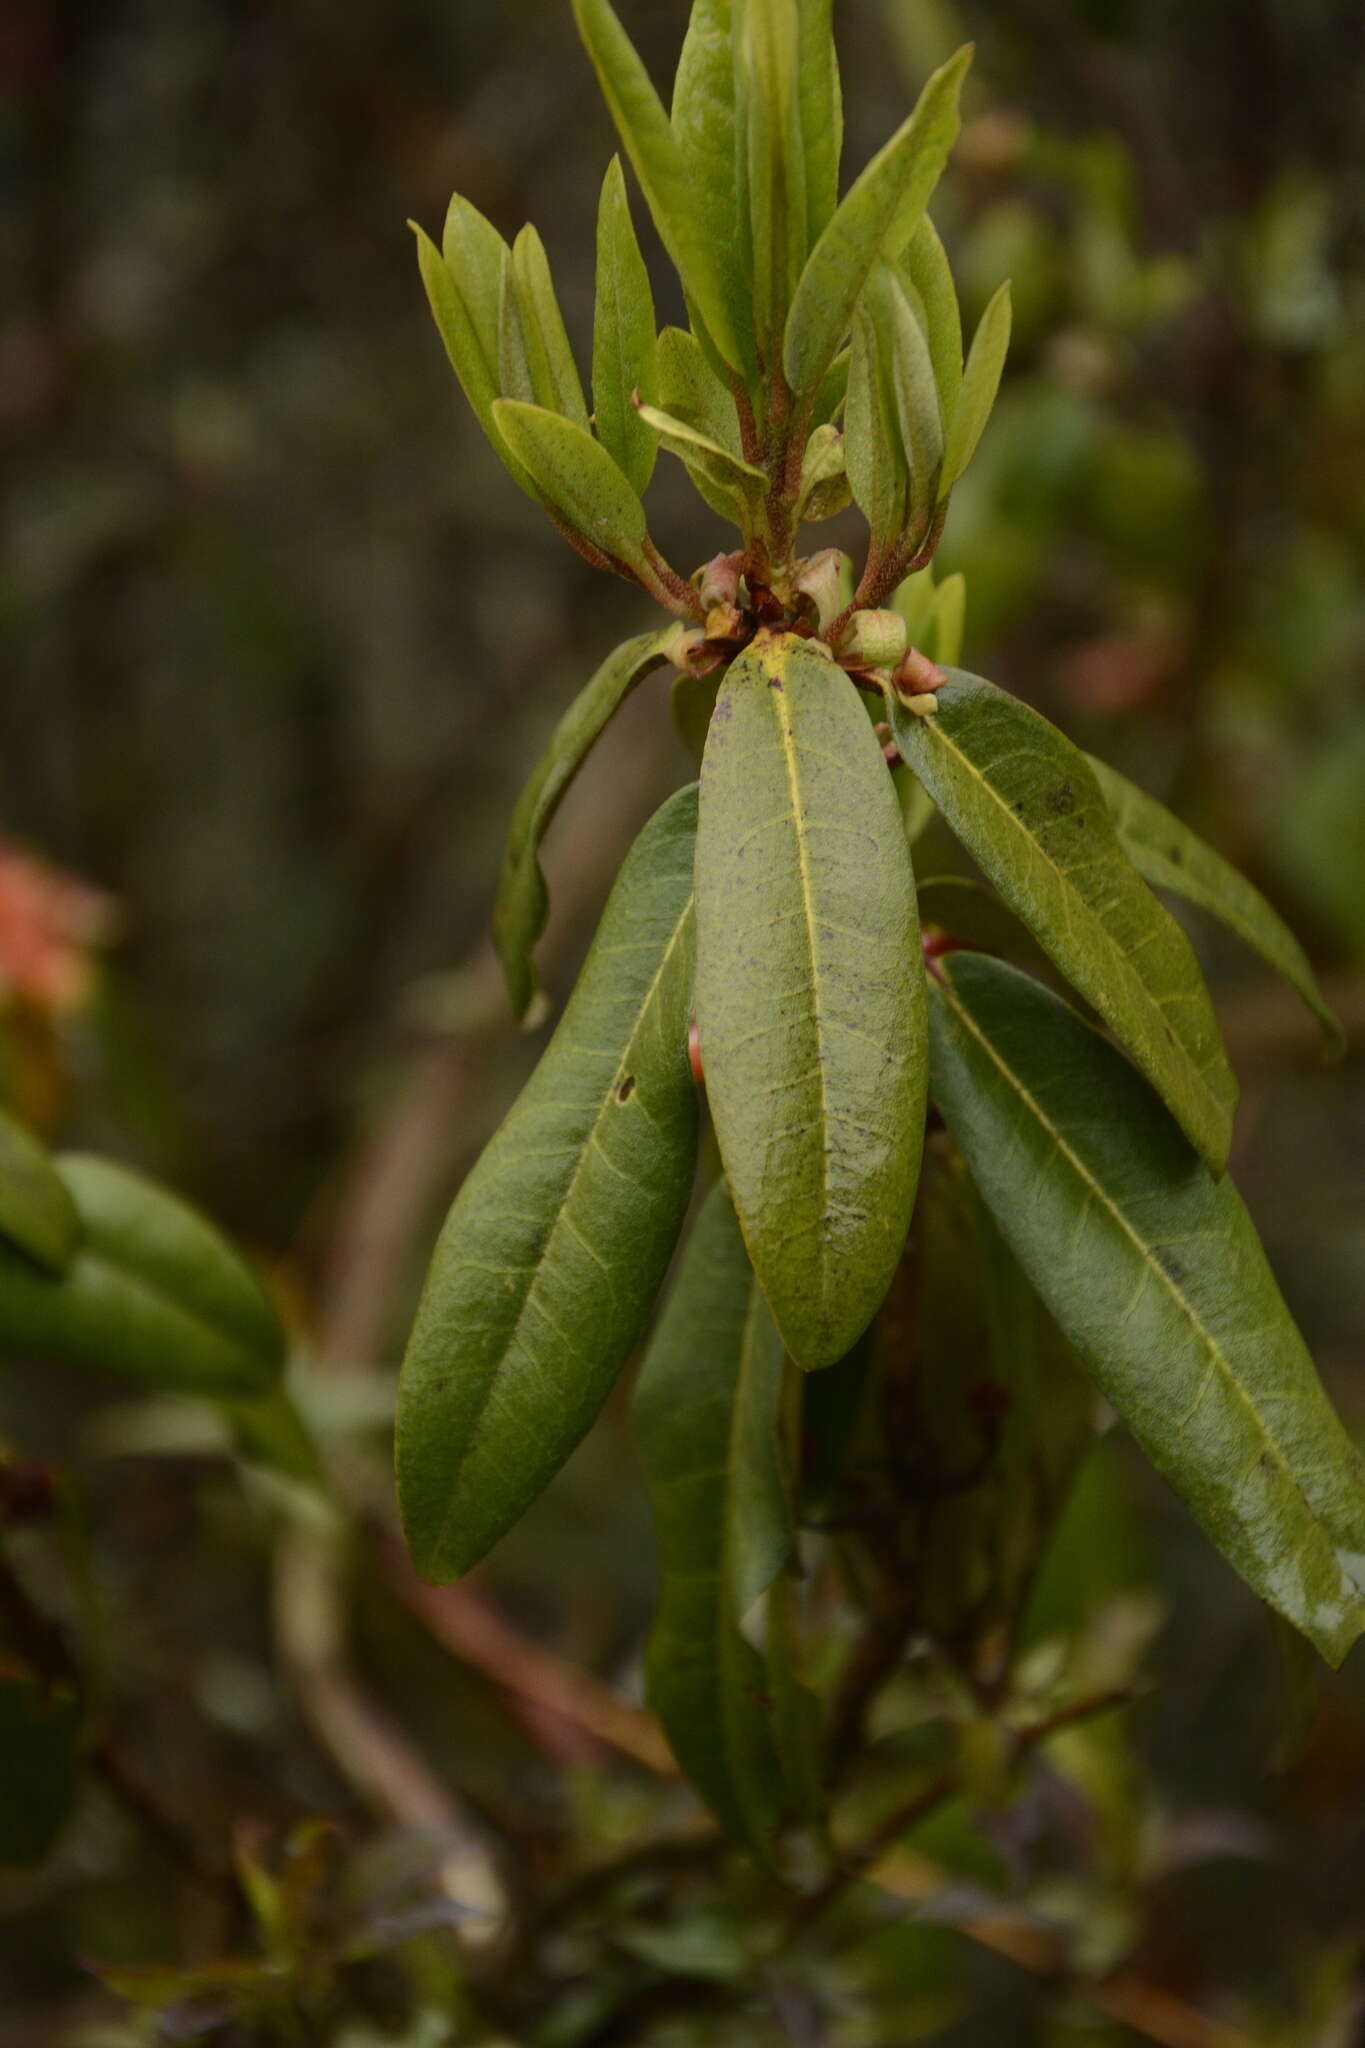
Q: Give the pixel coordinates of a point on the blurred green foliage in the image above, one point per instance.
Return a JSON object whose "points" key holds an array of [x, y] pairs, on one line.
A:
{"points": [[276, 639]]}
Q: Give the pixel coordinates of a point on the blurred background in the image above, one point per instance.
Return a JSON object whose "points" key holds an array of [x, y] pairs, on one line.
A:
{"points": [[278, 641]]}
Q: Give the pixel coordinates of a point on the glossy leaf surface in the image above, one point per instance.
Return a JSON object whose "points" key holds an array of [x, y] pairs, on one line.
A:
{"points": [[662, 166], [705, 1416], [624, 348], [876, 217], [549, 1261], [576, 480], [36, 1212], [523, 900], [1025, 804], [1170, 856], [810, 1000], [1154, 1271], [152, 1291]]}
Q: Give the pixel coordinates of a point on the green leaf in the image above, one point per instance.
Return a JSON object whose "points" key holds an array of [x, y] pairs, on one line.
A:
{"points": [[773, 164], [690, 391], [624, 349], [725, 473], [555, 1247], [1026, 805], [950, 620], [926, 265], [153, 1291], [980, 382], [661, 164], [822, 114], [464, 289], [704, 122], [535, 360], [877, 217], [705, 1417], [872, 454], [809, 990], [825, 488], [1153, 1269], [40, 1728], [577, 482], [968, 911], [36, 1212], [523, 900], [894, 429], [1169, 856]]}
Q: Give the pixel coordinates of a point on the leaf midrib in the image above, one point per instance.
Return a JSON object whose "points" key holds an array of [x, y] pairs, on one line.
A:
{"points": [[1217, 1356]]}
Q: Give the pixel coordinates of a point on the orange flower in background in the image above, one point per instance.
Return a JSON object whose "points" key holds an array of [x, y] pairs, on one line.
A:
{"points": [[49, 924]]}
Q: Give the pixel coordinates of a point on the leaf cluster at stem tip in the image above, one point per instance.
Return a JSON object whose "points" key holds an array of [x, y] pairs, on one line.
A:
{"points": [[822, 360]]}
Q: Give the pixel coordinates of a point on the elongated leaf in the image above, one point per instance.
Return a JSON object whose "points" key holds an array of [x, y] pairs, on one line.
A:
{"points": [[704, 122], [36, 1212], [576, 480], [1027, 807], [40, 1728], [464, 289], [724, 472], [523, 900], [705, 1418], [872, 451], [1168, 855], [536, 361], [556, 1244], [809, 990], [153, 1290], [927, 267], [894, 428], [822, 114], [662, 167], [1153, 1269], [690, 391], [767, 59], [876, 217], [980, 383], [624, 349]]}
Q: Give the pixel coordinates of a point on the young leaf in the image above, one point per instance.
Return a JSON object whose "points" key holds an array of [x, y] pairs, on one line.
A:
{"points": [[825, 488], [809, 990], [822, 114], [577, 482], [624, 350], [549, 1261], [661, 165], [1153, 1270], [704, 122], [523, 900], [894, 429], [872, 451], [36, 1212], [926, 265], [464, 288], [690, 391], [152, 1290], [980, 383], [773, 163], [1026, 806], [535, 360], [705, 1417], [1169, 856], [877, 217], [724, 472]]}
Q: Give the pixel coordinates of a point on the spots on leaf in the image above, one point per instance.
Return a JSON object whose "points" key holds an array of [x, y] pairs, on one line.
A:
{"points": [[625, 1088]]}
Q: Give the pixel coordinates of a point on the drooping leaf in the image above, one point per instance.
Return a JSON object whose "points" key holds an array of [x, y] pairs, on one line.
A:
{"points": [[980, 383], [822, 114], [152, 1290], [662, 166], [1025, 804], [704, 122], [624, 349], [550, 1258], [772, 163], [523, 900], [39, 1742], [705, 1417], [926, 264], [1153, 1269], [536, 360], [577, 481], [1168, 855], [36, 1212], [876, 217], [729, 476], [809, 990], [690, 391]]}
